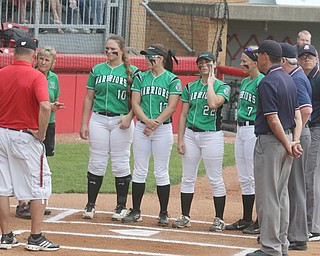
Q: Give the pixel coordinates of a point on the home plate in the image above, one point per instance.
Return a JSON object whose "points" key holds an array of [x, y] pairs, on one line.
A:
{"points": [[135, 232]]}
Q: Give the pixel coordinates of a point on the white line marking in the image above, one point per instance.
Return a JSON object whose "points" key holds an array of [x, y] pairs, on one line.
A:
{"points": [[61, 216], [244, 253], [112, 251]]}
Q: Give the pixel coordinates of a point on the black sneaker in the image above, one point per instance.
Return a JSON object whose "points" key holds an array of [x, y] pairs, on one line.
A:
{"points": [[23, 211], [314, 237], [253, 229], [47, 212], [119, 213], [132, 216], [239, 225], [8, 241], [41, 244], [163, 219], [298, 246], [89, 211]]}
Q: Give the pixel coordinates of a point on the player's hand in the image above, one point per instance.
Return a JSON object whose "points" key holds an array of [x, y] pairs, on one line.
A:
{"points": [[35, 133], [84, 133], [147, 131], [152, 124], [212, 77], [124, 123], [56, 106], [181, 148]]}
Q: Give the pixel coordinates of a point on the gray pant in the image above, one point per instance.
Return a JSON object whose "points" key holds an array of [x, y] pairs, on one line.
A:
{"points": [[272, 167], [313, 182], [298, 230]]}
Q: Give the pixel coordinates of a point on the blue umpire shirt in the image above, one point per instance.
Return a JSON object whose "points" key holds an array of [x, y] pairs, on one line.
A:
{"points": [[314, 78], [277, 94]]}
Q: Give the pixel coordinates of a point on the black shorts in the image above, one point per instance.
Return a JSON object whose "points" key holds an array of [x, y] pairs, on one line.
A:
{"points": [[50, 139]]}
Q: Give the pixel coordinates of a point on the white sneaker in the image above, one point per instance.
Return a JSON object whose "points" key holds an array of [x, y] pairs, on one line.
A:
{"points": [[182, 222], [86, 31], [218, 225], [119, 214], [89, 211], [71, 30]]}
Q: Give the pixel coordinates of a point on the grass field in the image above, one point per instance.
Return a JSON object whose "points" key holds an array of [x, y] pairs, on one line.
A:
{"points": [[69, 169]]}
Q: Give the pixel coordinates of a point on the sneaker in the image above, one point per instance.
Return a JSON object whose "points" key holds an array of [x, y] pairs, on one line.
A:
{"points": [[314, 237], [257, 253], [41, 244], [182, 222], [89, 211], [8, 241], [120, 213], [298, 246], [163, 219], [47, 212], [71, 30], [239, 225], [253, 229], [218, 225], [86, 30], [132, 216], [23, 211]]}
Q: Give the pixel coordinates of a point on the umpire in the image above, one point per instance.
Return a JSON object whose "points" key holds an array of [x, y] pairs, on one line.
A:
{"points": [[278, 129]]}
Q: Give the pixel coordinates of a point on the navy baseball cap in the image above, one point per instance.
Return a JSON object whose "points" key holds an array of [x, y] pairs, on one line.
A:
{"points": [[288, 51], [270, 47], [154, 50], [206, 55], [307, 48], [26, 42]]}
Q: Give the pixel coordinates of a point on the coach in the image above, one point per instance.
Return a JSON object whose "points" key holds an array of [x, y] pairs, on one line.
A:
{"points": [[24, 171], [278, 128]]}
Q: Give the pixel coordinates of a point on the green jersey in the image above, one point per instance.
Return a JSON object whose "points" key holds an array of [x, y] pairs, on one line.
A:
{"points": [[248, 99], [54, 91], [199, 114], [155, 91], [110, 85]]}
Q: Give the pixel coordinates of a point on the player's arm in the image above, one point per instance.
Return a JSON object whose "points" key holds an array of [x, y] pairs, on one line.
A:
{"points": [[86, 110], [44, 116], [56, 105], [125, 122], [214, 100], [170, 109], [305, 114], [182, 127]]}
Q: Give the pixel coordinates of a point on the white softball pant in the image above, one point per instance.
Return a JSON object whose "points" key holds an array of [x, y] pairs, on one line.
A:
{"points": [[159, 143], [108, 140], [210, 147], [244, 148]]}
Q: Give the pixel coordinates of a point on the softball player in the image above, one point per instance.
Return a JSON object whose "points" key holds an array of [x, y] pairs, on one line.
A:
{"points": [[245, 138], [200, 136], [154, 99], [110, 129]]}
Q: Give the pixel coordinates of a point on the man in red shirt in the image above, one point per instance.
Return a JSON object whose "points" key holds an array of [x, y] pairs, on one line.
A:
{"points": [[24, 171]]}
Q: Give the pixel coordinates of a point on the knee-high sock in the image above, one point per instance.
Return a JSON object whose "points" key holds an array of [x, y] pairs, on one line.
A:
{"points": [[122, 187], [137, 194], [186, 199], [163, 195], [219, 204], [94, 184], [247, 202]]}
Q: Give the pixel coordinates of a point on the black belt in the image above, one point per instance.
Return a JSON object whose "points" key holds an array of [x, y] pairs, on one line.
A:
{"points": [[108, 114], [286, 131], [314, 124], [246, 123], [196, 129], [169, 122], [24, 131]]}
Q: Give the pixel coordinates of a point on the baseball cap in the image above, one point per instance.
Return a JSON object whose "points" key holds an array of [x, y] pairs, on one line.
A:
{"points": [[26, 42], [206, 55], [270, 47], [154, 50], [307, 48], [288, 51]]}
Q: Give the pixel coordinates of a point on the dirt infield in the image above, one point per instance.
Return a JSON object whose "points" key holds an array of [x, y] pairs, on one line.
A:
{"points": [[101, 236]]}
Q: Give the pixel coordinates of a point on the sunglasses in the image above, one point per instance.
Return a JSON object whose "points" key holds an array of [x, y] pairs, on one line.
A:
{"points": [[306, 56], [151, 57]]}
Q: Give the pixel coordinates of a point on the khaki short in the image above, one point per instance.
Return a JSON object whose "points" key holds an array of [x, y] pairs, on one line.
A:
{"points": [[24, 170]]}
